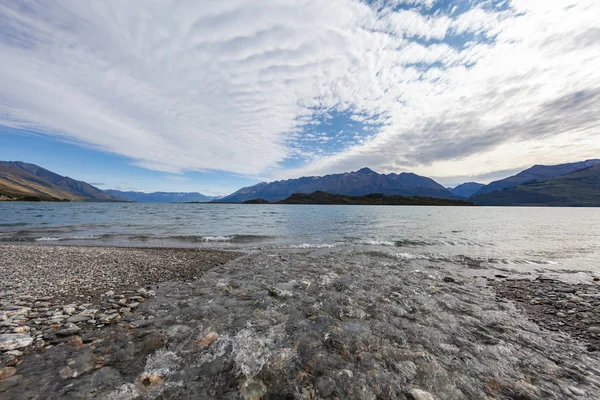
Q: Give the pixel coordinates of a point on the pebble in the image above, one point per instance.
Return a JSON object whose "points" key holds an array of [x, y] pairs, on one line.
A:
{"points": [[6, 372], [10, 382], [140, 323], [594, 330], [418, 394], [70, 330], [69, 309], [14, 341], [79, 318]]}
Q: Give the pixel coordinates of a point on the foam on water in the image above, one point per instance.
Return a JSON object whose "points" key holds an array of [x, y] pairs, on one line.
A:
{"points": [[313, 246], [61, 238]]}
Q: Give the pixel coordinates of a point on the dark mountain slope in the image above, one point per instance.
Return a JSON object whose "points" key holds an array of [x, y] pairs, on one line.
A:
{"points": [[577, 189], [22, 180], [357, 183], [537, 172]]}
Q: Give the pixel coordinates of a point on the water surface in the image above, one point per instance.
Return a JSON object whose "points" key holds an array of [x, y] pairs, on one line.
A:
{"points": [[557, 238]]}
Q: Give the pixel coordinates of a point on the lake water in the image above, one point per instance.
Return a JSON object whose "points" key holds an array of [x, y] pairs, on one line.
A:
{"points": [[560, 239]]}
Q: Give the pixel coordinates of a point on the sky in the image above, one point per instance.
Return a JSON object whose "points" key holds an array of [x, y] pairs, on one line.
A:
{"points": [[210, 96]]}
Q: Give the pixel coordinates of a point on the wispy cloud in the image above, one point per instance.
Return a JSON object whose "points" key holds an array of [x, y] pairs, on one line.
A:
{"points": [[238, 86]]}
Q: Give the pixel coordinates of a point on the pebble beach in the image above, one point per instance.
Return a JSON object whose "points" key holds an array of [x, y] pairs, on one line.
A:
{"points": [[142, 323]]}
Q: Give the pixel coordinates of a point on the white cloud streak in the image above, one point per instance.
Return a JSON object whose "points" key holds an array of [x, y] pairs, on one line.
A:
{"points": [[187, 86]]}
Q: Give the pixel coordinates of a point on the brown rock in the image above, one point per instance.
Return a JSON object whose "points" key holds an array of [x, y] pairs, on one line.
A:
{"points": [[7, 372]]}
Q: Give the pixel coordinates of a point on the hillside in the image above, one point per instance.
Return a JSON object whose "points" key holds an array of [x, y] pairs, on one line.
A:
{"points": [[161, 197], [467, 189], [577, 189], [369, 199], [537, 172], [356, 183], [23, 181]]}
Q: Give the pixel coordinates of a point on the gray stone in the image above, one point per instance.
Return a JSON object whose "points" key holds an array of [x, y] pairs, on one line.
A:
{"points": [[106, 376], [178, 331], [10, 382], [594, 329], [146, 293], [78, 318], [127, 391], [418, 394], [69, 309], [69, 330], [140, 323], [12, 341]]}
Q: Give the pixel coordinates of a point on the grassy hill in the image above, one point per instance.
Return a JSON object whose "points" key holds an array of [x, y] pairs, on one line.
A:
{"points": [[29, 182], [577, 189]]}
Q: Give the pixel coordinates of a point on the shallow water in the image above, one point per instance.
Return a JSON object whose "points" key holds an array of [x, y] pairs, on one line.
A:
{"points": [[534, 239], [319, 324]]}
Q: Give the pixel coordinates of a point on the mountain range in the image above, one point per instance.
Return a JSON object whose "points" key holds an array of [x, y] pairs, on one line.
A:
{"points": [[580, 188], [571, 184], [537, 172], [162, 197], [23, 181], [363, 181]]}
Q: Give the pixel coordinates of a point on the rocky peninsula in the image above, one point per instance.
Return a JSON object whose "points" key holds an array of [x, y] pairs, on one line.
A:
{"points": [[136, 323]]}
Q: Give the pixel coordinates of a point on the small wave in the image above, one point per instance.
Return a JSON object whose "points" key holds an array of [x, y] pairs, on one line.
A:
{"points": [[312, 246], [14, 224], [377, 243], [60, 238], [217, 238], [522, 261]]}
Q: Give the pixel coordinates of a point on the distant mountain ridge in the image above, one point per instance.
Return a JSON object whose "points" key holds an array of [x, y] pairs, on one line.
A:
{"points": [[357, 183], [24, 181], [466, 189], [161, 197], [580, 188], [537, 172]]}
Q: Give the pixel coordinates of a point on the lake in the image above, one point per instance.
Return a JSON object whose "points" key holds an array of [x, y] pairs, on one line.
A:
{"points": [[560, 239]]}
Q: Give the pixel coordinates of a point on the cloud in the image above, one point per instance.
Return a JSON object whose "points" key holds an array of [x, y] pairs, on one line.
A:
{"points": [[235, 86]]}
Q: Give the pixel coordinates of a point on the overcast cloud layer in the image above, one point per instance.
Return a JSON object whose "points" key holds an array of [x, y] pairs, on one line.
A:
{"points": [[446, 91]]}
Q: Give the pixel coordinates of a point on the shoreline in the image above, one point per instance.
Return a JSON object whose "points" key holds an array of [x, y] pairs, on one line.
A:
{"points": [[293, 324]]}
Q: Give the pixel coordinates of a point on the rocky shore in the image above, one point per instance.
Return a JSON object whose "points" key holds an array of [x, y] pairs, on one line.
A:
{"points": [[50, 295], [286, 324], [558, 306]]}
